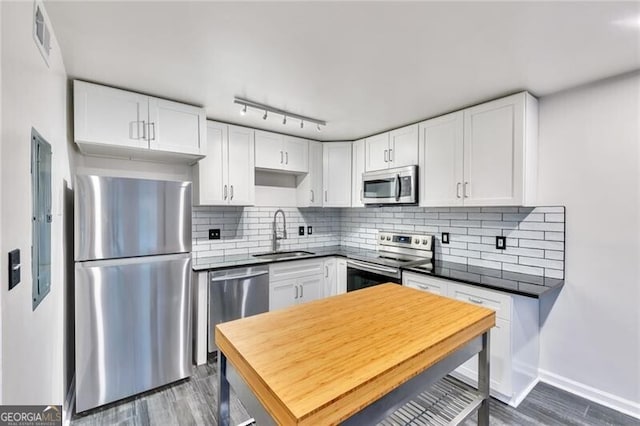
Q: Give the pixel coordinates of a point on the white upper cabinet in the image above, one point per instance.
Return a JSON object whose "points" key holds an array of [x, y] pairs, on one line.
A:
{"points": [[357, 169], [281, 153], [440, 168], [500, 144], [337, 174], [482, 156], [397, 148], [226, 175], [309, 186], [377, 152], [116, 122], [175, 127], [241, 167], [403, 146]]}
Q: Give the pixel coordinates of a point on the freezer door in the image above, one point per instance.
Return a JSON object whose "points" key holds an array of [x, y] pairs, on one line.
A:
{"points": [[123, 217], [133, 326]]}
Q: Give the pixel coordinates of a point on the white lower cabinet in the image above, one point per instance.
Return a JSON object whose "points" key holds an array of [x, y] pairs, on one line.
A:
{"points": [[341, 275], [514, 341], [295, 282]]}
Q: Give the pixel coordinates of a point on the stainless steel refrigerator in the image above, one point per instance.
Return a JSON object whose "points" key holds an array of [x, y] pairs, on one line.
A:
{"points": [[132, 286]]}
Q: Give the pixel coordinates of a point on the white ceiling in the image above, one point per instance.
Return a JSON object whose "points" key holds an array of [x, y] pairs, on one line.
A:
{"points": [[364, 67]]}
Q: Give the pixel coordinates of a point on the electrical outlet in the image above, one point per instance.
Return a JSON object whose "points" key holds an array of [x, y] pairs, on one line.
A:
{"points": [[309, 230], [501, 242], [214, 234], [300, 230], [445, 238]]}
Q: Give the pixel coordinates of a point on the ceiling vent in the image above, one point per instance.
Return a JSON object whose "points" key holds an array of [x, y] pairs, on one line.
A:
{"points": [[41, 32]]}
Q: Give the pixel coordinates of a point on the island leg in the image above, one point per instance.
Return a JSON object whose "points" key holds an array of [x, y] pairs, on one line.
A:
{"points": [[484, 381], [223, 391]]}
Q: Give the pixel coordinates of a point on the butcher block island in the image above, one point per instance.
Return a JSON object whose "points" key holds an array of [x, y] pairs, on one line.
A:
{"points": [[351, 358]]}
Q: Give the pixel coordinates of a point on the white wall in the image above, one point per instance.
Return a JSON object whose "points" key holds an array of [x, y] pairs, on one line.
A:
{"points": [[589, 162], [33, 95]]}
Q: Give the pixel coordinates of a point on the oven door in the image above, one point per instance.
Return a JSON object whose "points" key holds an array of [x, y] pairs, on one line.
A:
{"points": [[392, 186], [363, 274]]}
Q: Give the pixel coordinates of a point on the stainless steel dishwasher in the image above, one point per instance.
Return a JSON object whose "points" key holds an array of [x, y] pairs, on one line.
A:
{"points": [[235, 294]]}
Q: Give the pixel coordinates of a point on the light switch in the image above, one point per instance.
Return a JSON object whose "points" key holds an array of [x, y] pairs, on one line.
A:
{"points": [[14, 268]]}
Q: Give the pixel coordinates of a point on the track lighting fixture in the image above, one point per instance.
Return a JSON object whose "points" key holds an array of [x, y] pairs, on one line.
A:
{"points": [[285, 114]]}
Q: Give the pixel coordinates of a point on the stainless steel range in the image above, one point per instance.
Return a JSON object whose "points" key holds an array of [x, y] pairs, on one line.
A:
{"points": [[394, 252]]}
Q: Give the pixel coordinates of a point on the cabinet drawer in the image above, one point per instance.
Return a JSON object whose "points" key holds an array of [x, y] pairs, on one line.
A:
{"points": [[295, 269], [499, 302], [425, 283]]}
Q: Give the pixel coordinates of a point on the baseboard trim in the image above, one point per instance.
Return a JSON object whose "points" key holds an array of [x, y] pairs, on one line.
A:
{"points": [[614, 402], [69, 402], [517, 399]]}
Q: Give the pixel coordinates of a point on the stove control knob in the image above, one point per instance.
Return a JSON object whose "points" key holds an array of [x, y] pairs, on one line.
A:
{"points": [[416, 241], [388, 238], [382, 237], [424, 241]]}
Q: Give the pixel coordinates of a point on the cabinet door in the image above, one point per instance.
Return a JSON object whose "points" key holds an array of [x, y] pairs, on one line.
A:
{"points": [[377, 152], [357, 169], [341, 276], [337, 174], [500, 358], [283, 294], [175, 127], [104, 115], [493, 152], [296, 154], [208, 174], [240, 167], [269, 150], [330, 288], [403, 146], [309, 186], [310, 288], [441, 160], [421, 282]]}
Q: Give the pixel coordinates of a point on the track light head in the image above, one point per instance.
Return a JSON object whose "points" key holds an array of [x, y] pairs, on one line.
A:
{"points": [[243, 111], [284, 119], [318, 128], [301, 124], [264, 117]]}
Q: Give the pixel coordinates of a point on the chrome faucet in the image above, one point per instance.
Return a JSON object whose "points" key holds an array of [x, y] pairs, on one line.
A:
{"points": [[277, 237]]}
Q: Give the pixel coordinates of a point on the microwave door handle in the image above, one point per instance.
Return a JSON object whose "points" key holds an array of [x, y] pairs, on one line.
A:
{"points": [[397, 187]]}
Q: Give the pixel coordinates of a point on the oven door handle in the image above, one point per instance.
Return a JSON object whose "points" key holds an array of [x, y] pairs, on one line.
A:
{"points": [[398, 187], [370, 267]]}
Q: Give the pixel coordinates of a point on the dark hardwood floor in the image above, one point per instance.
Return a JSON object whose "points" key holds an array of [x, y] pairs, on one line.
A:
{"points": [[193, 402]]}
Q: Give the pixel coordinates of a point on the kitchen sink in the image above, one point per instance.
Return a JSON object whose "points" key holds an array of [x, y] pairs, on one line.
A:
{"points": [[283, 255]]}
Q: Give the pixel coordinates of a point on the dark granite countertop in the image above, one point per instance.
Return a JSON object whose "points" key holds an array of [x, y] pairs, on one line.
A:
{"points": [[496, 279]]}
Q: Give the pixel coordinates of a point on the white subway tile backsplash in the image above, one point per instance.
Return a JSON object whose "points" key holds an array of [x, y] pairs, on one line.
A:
{"points": [[535, 236]]}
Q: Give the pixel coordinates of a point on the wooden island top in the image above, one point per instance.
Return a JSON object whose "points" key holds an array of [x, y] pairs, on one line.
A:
{"points": [[320, 362]]}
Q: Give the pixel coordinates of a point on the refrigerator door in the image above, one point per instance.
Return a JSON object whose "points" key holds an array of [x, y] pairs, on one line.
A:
{"points": [[133, 326], [123, 217]]}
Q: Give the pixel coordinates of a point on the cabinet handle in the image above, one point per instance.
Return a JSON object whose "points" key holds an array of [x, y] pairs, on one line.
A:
{"points": [[325, 195], [231, 197], [144, 130], [390, 155], [465, 193], [296, 287], [281, 157], [361, 195], [301, 291], [225, 192], [424, 287], [326, 271], [458, 185], [478, 301], [386, 153], [286, 155], [152, 126], [311, 195]]}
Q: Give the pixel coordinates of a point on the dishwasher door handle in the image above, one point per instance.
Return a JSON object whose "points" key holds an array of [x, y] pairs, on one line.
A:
{"points": [[237, 277]]}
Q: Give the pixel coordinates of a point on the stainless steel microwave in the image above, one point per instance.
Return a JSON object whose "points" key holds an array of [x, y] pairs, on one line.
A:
{"points": [[390, 186]]}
